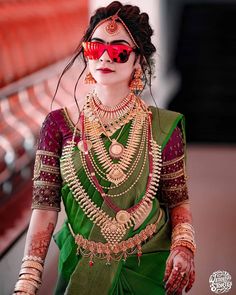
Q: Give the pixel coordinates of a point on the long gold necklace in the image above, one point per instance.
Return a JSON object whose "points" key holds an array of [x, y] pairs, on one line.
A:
{"points": [[116, 172], [130, 172], [112, 228], [143, 144]]}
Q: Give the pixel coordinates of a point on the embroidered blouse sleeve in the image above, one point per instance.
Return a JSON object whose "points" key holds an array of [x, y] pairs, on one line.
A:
{"points": [[47, 178], [173, 176]]}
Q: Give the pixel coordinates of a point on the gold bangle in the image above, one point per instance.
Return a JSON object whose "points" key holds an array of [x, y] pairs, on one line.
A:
{"points": [[184, 243], [33, 264], [30, 277], [30, 282], [23, 287], [30, 270], [181, 233], [33, 258], [184, 225]]}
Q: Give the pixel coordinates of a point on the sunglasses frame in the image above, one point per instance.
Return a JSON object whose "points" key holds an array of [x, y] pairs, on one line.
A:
{"points": [[110, 48]]}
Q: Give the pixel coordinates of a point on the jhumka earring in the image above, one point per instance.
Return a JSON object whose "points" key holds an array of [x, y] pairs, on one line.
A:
{"points": [[89, 79], [137, 84]]}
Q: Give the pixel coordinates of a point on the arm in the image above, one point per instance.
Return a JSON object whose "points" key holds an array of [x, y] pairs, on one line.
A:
{"points": [[180, 269], [180, 264], [38, 238], [45, 205]]}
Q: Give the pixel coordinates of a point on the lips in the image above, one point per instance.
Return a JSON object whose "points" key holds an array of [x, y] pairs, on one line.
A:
{"points": [[105, 70]]}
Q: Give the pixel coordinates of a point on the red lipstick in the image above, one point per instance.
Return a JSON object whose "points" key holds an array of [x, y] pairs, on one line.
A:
{"points": [[105, 70]]}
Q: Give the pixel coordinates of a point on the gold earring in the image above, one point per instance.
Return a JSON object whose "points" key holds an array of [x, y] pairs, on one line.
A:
{"points": [[137, 84], [89, 79]]}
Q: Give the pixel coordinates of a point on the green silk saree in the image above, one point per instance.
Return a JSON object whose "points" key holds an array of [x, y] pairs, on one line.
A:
{"points": [[120, 277]]}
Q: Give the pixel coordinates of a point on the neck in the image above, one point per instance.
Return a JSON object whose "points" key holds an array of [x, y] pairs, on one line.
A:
{"points": [[111, 95]]}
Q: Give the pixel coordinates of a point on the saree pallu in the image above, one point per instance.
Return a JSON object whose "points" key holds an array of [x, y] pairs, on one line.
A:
{"points": [[120, 277]]}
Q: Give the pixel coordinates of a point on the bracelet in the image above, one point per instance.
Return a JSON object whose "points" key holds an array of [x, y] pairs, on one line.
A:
{"points": [[30, 278], [30, 282], [30, 270], [33, 264], [187, 244], [33, 258], [187, 235], [185, 225], [24, 287]]}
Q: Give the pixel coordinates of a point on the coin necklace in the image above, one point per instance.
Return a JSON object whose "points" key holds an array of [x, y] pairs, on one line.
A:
{"points": [[112, 228], [116, 172]]}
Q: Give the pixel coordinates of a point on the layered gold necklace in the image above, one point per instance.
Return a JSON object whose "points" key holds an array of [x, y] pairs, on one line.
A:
{"points": [[113, 228]]}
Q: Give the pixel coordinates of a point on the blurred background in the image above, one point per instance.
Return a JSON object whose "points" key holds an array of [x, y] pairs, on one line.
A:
{"points": [[195, 75]]}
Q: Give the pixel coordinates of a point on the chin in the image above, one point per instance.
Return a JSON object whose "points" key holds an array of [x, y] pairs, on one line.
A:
{"points": [[111, 83]]}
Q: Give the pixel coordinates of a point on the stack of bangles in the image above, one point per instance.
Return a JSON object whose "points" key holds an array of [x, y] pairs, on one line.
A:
{"points": [[30, 275], [183, 235]]}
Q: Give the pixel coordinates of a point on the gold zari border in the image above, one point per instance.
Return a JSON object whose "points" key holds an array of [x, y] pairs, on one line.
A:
{"points": [[173, 175], [45, 183], [46, 153], [173, 161]]}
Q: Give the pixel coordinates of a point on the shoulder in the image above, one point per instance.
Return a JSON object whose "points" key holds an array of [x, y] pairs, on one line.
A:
{"points": [[54, 115], [164, 123], [164, 113]]}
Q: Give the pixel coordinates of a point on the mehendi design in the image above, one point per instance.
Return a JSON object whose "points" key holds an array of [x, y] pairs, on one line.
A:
{"points": [[180, 215], [179, 271], [40, 242]]}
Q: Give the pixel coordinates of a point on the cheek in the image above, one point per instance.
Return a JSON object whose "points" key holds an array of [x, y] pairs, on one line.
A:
{"points": [[92, 65]]}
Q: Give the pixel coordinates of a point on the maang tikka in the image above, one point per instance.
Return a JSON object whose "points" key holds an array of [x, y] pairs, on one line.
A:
{"points": [[112, 27]]}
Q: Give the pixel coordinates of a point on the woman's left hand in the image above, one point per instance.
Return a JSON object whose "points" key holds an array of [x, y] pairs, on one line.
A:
{"points": [[180, 271]]}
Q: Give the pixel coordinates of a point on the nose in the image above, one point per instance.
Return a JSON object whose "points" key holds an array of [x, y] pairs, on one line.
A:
{"points": [[105, 57]]}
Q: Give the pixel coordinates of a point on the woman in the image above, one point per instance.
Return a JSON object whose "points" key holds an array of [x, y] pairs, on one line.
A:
{"points": [[120, 171]]}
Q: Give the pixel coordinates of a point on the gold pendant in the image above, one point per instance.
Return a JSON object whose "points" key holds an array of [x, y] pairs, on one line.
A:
{"points": [[113, 232], [122, 216], [116, 175], [116, 149], [80, 145]]}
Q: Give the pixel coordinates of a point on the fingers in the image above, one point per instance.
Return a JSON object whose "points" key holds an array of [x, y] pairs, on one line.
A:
{"points": [[174, 280], [169, 264], [180, 271], [183, 283], [191, 278]]}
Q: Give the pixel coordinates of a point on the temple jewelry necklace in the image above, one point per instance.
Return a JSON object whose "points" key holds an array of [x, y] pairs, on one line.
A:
{"points": [[116, 172], [143, 145], [116, 149], [112, 228], [113, 118]]}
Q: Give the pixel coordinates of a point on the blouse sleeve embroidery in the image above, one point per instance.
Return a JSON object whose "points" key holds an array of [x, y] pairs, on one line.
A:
{"points": [[47, 178], [173, 175]]}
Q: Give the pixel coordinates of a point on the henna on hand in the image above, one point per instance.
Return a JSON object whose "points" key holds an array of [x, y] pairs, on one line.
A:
{"points": [[40, 242], [179, 271], [180, 214]]}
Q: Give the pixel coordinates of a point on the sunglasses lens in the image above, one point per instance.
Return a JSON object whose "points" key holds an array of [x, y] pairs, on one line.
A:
{"points": [[118, 53]]}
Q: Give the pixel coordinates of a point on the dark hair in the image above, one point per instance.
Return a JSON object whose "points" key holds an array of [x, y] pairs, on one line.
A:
{"points": [[138, 25]]}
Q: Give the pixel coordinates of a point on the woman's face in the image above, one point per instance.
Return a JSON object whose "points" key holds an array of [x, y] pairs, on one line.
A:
{"points": [[120, 73]]}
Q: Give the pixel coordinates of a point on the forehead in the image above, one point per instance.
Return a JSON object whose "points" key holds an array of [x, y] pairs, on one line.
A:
{"points": [[120, 34]]}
